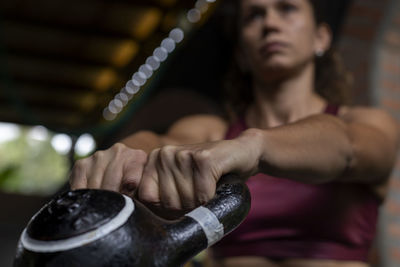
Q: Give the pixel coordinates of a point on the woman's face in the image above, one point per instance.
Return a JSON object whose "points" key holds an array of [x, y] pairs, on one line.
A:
{"points": [[277, 36]]}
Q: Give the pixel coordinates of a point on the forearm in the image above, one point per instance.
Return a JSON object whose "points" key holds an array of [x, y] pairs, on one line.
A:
{"points": [[318, 149]]}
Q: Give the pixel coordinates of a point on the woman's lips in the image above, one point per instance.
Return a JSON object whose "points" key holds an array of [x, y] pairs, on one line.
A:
{"points": [[272, 47]]}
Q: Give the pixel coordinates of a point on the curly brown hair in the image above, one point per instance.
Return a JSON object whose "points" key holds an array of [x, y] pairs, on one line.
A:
{"points": [[332, 80]]}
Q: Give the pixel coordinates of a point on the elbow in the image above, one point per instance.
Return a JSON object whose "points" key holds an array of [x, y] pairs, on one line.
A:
{"points": [[364, 165], [348, 159], [349, 163]]}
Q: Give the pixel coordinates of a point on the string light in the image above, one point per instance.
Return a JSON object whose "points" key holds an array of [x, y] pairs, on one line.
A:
{"points": [[122, 97], [160, 53], [146, 70], [138, 79], [62, 143], [201, 5], [168, 44], [194, 15], [177, 35], [85, 144], [108, 115], [131, 88], [118, 104], [152, 63], [113, 109]]}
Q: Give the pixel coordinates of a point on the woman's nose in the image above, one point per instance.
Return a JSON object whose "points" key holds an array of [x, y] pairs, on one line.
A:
{"points": [[271, 22]]}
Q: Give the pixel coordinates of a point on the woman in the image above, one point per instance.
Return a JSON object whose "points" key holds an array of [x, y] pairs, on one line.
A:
{"points": [[335, 160]]}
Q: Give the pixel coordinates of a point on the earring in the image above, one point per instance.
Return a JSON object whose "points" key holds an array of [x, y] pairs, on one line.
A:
{"points": [[319, 53]]}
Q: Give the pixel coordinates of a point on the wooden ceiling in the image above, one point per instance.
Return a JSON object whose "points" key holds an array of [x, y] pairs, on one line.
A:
{"points": [[64, 60]]}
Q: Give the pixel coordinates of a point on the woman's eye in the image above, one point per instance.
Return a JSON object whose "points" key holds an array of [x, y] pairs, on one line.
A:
{"points": [[252, 15], [287, 7]]}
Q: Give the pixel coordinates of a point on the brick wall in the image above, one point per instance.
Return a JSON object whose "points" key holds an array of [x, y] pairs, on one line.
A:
{"points": [[370, 44], [357, 41]]}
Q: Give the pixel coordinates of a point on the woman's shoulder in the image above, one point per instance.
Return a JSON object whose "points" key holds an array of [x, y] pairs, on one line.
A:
{"points": [[199, 128], [376, 118], [364, 113]]}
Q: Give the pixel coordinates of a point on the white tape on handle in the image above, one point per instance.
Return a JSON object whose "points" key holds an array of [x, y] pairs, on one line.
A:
{"points": [[80, 240], [210, 224]]}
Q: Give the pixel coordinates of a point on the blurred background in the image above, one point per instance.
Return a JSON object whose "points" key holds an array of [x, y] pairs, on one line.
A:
{"points": [[78, 75]]}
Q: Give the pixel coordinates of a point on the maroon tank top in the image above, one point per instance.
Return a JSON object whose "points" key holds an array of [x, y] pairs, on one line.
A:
{"points": [[289, 219]]}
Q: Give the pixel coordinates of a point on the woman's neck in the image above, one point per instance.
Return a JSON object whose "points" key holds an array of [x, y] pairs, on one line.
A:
{"points": [[284, 101]]}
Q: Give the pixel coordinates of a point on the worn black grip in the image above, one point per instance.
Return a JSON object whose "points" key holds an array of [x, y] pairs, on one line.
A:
{"points": [[231, 203]]}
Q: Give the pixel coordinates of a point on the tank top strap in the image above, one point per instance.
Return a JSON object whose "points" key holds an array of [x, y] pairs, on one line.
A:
{"points": [[331, 109]]}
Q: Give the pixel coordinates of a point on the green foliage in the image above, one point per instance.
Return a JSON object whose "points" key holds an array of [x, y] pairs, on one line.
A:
{"points": [[31, 166]]}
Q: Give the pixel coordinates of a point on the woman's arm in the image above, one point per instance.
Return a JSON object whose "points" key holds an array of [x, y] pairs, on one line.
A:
{"points": [[359, 146], [120, 167]]}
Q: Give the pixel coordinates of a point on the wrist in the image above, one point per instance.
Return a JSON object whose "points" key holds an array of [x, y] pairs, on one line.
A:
{"points": [[252, 141]]}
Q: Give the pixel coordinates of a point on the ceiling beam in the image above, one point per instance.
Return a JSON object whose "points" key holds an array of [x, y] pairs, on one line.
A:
{"points": [[125, 19], [61, 43], [47, 96], [60, 73]]}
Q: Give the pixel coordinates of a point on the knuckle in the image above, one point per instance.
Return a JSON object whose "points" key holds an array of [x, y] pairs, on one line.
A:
{"points": [[98, 155], [166, 155], [119, 146], [202, 156], [118, 149], [182, 156], [166, 151]]}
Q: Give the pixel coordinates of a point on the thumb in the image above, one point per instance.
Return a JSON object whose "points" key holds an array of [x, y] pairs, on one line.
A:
{"points": [[149, 190]]}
